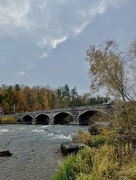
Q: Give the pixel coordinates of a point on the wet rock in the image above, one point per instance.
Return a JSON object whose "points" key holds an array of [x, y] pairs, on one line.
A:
{"points": [[5, 153], [70, 147]]}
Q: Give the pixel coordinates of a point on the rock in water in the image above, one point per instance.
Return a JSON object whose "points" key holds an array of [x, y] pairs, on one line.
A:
{"points": [[5, 153], [71, 146]]}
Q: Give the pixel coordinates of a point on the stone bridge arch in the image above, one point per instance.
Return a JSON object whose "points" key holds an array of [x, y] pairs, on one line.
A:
{"points": [[63, 117], [28, 119], [42, 118], [89, 116]]}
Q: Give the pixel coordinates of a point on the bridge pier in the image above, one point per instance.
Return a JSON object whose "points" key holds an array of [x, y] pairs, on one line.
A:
{"points": [[51, 120], [76, 120], [34, 121]]}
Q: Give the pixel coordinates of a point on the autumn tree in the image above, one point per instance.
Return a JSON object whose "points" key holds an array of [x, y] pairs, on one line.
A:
{"points": [[28, 96], [21, 105], [111, 69]]}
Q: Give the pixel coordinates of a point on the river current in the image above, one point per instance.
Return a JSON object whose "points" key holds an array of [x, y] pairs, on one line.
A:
{"points": [[35, 150]]}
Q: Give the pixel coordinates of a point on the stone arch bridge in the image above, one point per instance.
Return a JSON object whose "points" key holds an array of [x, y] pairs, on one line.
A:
{"points": [[77, 115]]}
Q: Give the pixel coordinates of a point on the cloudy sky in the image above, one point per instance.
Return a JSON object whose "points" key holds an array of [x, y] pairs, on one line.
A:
{"points": [[44, 42]]}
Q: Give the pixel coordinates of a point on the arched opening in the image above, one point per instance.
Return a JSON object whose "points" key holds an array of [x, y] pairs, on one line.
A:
{"points": [[92, 116], [27, 119], [63, 118], [42, 119]]}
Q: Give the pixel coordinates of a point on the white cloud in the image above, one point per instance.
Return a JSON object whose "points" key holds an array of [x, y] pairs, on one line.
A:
{"points": [[42, 42], [115, 3], [50, 19], [77, 30], [55, 42], [98, 10], [48, 23], [21, 73], [14, 13], [44, 55]]}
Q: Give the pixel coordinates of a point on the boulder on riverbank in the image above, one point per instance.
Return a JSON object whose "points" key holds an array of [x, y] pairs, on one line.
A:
{"points": [[5, 153], [70, 147]]}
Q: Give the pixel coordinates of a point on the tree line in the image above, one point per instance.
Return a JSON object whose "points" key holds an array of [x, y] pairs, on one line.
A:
{"points": [[21, 98]]}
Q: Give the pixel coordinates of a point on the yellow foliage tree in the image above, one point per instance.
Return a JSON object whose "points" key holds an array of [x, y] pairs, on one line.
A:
{"points": [[112, 69]]}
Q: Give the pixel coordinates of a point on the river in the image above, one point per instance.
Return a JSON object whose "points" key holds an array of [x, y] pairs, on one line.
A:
{"points": [[35, 149]]}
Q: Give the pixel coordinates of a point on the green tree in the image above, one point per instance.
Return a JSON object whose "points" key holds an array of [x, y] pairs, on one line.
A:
{"points": [[66, 92], [73, 93]]}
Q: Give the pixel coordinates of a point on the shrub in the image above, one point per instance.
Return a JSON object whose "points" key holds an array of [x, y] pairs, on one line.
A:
{"points": [[8, 120]]}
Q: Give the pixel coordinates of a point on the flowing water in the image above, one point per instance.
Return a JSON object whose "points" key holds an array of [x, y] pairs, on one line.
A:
{"points": [[35, 149]]}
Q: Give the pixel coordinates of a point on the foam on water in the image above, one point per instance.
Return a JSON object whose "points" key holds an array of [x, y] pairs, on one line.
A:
{"points": [[38, 130], [50, 134], [44, 126], [23, 128], [62, 136], [4, 130]]}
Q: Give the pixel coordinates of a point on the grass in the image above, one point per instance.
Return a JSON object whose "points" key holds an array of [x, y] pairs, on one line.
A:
{"points": [[73, 165], [8, 120], [98, 160], [93, 141], [97, 164]]}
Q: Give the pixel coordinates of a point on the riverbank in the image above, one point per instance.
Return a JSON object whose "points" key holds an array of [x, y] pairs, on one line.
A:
{"points": [[110, 157]]}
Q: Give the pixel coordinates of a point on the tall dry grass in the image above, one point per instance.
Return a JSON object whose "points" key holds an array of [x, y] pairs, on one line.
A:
{"points": [[97, 164], [8, 120]]}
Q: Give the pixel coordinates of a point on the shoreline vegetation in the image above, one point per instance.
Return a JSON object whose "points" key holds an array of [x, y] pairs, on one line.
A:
{"points": [[107, 156], [8, 119]]}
